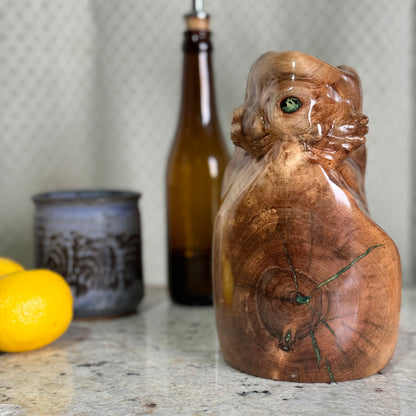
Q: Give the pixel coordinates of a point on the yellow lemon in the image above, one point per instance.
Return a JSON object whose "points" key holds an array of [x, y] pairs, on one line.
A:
{"points": [[9, 266], [36, 308]]}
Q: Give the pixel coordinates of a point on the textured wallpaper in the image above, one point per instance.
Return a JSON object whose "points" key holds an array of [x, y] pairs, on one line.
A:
{"points": [[89, 97]]}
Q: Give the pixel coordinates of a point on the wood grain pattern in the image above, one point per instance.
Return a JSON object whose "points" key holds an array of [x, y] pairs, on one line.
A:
{"points": [[307, 287]]}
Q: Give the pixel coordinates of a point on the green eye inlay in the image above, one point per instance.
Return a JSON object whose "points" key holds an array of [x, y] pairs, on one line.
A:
{"points": [[290, 104]]}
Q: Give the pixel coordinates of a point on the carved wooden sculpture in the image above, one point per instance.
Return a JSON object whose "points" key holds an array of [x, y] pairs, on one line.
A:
{"points": [[307, 287]]}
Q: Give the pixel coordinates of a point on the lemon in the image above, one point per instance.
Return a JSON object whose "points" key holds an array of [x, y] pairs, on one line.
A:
{"points": [[35, 309], [9, 266]]}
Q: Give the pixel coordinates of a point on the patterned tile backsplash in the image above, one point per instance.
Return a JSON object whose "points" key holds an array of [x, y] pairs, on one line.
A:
{"points": [[90, 90]]}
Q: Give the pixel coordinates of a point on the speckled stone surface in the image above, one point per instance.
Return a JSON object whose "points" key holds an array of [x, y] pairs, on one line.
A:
{"points": [[165, 360]]}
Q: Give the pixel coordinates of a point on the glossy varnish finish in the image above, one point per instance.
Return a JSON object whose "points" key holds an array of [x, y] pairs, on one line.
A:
{"points": [[307, 286]]}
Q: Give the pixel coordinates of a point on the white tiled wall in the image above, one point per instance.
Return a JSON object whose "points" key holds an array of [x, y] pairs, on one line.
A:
{"points": [[89, 96]]}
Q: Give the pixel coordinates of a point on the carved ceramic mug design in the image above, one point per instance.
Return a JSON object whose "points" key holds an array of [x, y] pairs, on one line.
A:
{"points": [[93, 239], [306, 285]]}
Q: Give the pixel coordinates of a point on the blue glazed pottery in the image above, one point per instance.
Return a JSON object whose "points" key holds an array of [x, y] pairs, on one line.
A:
{"points": [[93, 239]]}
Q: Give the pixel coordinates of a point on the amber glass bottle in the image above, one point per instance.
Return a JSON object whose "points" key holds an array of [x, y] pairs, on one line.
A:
{"points": [[195, 170]]}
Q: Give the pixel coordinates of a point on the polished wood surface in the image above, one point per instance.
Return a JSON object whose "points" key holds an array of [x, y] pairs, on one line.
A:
{"points": [[307, 287]]}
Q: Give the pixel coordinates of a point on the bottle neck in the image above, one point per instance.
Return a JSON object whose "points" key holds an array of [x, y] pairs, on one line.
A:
{"points": [[198, 100]]}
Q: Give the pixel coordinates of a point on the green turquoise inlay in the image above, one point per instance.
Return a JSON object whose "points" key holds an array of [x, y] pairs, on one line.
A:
{"points": [[290, 104], [323, 320], [303, 299], [300, 299], [344, 269], [295, 279], [328, 368], [316, 348]]}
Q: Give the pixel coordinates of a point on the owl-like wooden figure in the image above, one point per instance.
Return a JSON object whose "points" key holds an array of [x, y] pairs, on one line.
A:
{"points": [[307, 287]]}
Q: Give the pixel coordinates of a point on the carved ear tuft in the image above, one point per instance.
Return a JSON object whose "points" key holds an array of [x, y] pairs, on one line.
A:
{"points": [[237, 126], [248, 131]]}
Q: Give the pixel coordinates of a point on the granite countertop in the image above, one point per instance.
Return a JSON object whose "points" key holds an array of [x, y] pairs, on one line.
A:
{"points": [[165, 360]]}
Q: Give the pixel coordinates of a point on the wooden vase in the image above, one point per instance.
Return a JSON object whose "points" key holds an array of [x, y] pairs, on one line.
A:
{"points": [[306, 286]]}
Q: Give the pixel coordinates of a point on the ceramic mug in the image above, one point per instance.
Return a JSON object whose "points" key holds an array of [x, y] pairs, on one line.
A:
{"points": [[93, 239]]}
